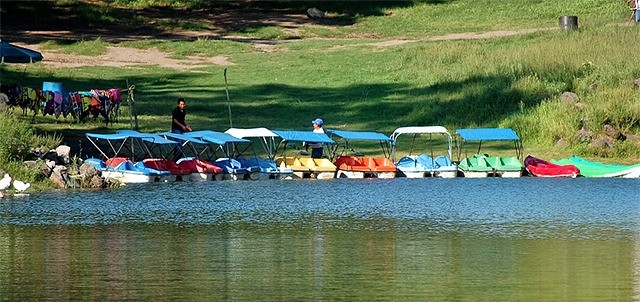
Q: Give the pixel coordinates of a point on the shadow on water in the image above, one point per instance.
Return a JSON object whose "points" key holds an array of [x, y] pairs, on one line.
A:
{"points": [[529, 207], [430, 239]]}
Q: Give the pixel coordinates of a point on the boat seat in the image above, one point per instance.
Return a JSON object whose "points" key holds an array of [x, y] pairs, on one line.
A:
{"points": [[292, 163], [381, 164], [443, 161], [426, 161], [351, 163]]}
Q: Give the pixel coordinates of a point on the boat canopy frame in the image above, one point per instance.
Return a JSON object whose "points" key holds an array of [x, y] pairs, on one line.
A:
{"points": [[345, 137], [489, 134], [226, 143], [266, 137], [288, 136], [421, 130], [146, 141]]}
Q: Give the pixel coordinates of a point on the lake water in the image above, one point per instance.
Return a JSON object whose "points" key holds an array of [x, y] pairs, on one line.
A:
{"points": [[325, 240]]}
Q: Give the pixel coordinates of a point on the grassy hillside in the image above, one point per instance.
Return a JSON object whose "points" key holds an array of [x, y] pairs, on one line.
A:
{"points": [[419, 76]]}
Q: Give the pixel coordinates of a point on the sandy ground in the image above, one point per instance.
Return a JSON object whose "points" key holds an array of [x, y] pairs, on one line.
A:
{"points": [[127, 56]]}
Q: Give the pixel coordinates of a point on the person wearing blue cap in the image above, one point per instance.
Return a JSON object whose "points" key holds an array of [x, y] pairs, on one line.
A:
{"points": [[316, 148]]}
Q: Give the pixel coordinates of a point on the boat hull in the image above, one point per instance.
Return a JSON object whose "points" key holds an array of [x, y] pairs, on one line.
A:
{"points": [[131, 177], [542, 168], [597, 169]]}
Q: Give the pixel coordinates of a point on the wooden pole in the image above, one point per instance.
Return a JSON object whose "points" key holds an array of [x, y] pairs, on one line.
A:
{"points": [[226, 88], [133, 114]]}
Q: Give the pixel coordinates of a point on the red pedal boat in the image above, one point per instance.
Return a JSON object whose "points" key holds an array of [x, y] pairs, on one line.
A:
{"points": [[542, 168]]}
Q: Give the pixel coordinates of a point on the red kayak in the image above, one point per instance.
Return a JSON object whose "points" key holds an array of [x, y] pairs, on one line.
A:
{"points": [[542, 168]]}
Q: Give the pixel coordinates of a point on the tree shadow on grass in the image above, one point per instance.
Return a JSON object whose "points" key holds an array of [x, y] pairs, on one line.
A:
{"points": [[77, 20], [477, 101]]}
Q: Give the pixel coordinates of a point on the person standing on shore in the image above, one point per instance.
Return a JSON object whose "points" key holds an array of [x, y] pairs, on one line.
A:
{"points": [[316, 148], [179, 126], [178, 115]]}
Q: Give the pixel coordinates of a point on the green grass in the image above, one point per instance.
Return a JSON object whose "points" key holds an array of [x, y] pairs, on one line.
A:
{"points": [[356, 85]]}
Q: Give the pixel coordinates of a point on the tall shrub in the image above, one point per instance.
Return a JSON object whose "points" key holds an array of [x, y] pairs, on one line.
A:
{"points": [[15, 137]]}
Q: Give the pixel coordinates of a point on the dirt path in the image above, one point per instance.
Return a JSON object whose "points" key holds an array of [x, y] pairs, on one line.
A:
{"points": [[126, 56]]}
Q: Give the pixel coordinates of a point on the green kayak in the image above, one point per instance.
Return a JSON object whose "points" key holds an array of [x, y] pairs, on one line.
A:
{"points": [[597, 169]]}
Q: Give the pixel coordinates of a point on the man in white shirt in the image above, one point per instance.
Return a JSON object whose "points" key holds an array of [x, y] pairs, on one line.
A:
{"points": [[316, 148]]}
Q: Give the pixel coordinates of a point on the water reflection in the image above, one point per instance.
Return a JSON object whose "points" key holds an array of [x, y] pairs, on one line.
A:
{"points": [[310, 240]]}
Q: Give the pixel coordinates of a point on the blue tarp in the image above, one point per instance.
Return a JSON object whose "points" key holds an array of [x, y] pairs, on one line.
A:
{"points": [[488, 134], [360, 135], [215, 137], [303, 136]]}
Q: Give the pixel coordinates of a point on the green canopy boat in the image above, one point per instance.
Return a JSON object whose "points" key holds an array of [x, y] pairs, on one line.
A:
{"points": [[597, 169], [481, 165]]}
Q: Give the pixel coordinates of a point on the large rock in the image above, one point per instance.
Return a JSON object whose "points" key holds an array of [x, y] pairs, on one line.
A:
{"points": [[569, 98], [613, 133], [60, 176], [64, 153], [87, 171], [602, 142], [4, 102], [584, 136]]}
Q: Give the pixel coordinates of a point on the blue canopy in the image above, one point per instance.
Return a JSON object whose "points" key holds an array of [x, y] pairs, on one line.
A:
{"points": [[303, 136], [181, 137], [147, 137], [111, 137], [488, 134], [10, 53], [360, 135], [215, 137]]}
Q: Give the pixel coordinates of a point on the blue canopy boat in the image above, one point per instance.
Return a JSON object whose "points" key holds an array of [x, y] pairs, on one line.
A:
{"points": [[198, 170], [358, 165], [481, 165], [302, 165], [433, 164], [267, 138], [228, 145], [119, 164]]}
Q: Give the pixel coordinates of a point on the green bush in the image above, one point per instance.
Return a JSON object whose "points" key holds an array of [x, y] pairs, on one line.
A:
{"points": [[15, 138]]}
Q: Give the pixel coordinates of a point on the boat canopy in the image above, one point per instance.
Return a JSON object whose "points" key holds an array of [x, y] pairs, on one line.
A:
{"points": [[111, 137], [182, 137], [251, 132], [215, 137], [419, 130], [488, 134], [266, 137], [303, 136], [360, 135], [347, 136], [147, 137], [131, 136]]}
